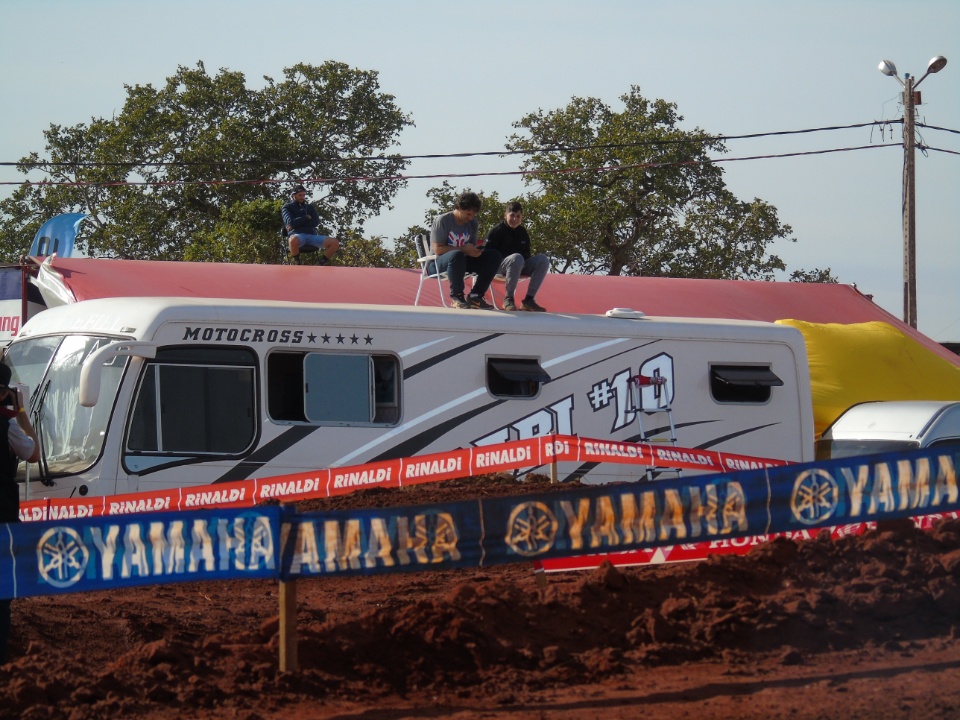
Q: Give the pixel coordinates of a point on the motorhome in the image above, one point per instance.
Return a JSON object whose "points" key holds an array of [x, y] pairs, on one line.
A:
{"points": [[133, 394], [890, 426]]}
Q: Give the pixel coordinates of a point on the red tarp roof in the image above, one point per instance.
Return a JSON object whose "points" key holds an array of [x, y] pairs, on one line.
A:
{"points": [[88, 278]]}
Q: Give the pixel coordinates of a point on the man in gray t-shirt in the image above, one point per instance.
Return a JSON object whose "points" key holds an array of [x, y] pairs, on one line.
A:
{"points": [[454, 239]]}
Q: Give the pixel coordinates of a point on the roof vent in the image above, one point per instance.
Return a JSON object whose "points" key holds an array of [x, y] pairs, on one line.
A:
{"points": [[624, 313]]}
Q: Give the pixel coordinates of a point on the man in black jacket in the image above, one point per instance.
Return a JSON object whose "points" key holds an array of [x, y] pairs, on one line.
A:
{"points": [[18, 441], [300, 220], [510, 238]]}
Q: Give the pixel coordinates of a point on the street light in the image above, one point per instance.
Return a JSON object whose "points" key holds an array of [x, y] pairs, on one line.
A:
{"points": [[911, 98]]}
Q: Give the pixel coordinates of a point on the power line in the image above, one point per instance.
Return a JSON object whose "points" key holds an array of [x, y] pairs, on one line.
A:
{"points": [[925, 148], [934, 127], [488, 153], [382, 178]]}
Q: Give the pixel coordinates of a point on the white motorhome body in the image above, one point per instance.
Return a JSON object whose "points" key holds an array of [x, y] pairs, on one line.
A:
{"points": [[134, 394], [891, 426]]}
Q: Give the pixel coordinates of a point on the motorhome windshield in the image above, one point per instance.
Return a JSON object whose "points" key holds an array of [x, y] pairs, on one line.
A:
{"points": [[71, 436]]}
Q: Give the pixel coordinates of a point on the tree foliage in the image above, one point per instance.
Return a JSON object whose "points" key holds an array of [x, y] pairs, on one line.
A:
{"points": [[629, 192], [813, 276], [204, 159]]}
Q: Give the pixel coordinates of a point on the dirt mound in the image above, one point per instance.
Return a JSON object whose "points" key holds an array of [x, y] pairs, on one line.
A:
{"points": [[499, 638]]}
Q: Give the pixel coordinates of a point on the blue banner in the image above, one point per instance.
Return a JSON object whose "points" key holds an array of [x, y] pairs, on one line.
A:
{"points": [[621, 517], [154, 548], [49, 558]]}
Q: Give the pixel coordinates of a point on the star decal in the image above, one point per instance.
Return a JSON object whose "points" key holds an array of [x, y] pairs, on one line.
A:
{"points": [[341, 338]]}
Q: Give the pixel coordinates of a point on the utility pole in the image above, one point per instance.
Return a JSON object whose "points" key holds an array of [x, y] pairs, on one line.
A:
{"points": [[909, 206], [911, 98]]}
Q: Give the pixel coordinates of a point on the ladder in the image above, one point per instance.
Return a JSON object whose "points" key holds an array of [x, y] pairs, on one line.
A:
{"points": [[637, 383]]}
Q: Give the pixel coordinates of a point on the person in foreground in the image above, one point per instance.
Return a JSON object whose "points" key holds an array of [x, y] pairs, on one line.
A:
{"points": [[18, 441], [454, 239], [300, 220], [511, 239]]}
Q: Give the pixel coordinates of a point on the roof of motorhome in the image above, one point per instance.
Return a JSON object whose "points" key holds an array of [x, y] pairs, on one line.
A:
{"points": [[77, 279], [905, 419], [139, 317]]}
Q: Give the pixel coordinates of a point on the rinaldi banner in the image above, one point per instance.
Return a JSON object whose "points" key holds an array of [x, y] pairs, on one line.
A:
{"points": [[100, 553], [436, 467]]}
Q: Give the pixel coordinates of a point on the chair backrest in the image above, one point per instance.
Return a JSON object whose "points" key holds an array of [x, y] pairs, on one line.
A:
{"points": [[422, 243]]}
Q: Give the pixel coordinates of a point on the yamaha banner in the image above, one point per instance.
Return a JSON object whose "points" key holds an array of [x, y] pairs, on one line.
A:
{"points": [[619, 517], [98, 553], [147, 549]]}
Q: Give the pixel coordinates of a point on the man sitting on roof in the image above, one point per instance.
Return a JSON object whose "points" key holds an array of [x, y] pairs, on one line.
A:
{"points": [[510, 237], [300, 220]]}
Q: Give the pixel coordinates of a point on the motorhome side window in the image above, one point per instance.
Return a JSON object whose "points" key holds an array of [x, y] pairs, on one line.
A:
{"points": [[334, 388], [195, 401], [515, 377], [748, 384]]}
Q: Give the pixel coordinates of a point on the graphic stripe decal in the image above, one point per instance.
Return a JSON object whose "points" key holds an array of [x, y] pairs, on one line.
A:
{"points": [[266, 453], [409, 372]]}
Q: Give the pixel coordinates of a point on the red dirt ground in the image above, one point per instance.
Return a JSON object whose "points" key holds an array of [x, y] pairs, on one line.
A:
{"points": [[862, 627]]}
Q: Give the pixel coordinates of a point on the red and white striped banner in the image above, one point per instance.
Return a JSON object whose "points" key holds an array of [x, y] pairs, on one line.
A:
{"points": [[436, 467]]}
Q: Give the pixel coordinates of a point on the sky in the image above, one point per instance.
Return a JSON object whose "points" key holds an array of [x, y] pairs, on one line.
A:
{"points": [[465, 72]]}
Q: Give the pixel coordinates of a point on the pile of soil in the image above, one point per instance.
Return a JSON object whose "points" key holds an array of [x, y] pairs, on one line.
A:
{"points": [[856, 627]]}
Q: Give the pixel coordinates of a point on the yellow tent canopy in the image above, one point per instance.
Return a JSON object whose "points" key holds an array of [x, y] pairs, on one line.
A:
{"points": [[870, 361]]}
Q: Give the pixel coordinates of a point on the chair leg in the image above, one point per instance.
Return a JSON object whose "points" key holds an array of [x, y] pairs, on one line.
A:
{"points": [[443, 299]]}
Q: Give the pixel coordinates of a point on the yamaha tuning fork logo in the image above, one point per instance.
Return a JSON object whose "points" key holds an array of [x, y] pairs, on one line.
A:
{"points": [[532, 529], [815, 497], [62, 556]]}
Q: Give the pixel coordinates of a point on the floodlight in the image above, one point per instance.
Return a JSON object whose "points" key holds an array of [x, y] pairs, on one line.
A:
{"points": [[888, 68]]}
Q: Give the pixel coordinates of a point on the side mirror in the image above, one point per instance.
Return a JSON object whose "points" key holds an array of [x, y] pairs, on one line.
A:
{"points": [[92, 368]]}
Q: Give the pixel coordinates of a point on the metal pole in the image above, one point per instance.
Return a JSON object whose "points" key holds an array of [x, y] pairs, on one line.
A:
{"points": [[909, 208]]}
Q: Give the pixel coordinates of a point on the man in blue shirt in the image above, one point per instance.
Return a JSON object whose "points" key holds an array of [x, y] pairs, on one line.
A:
{"points": [[300, 220]]}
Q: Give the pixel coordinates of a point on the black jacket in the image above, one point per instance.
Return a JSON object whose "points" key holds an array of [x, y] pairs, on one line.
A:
{"points": [[302, 217], [509, 240]]}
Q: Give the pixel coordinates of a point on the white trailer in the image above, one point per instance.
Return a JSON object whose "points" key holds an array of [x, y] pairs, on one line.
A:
{"points": [[134, 394]]}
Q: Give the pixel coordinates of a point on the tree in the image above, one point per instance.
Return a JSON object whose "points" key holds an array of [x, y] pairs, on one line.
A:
{"points": [[813, 276], [204, 159], [629, 192]]}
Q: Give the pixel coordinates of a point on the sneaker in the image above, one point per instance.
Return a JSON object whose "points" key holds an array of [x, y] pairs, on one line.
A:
{"points": [[478, 302], [458, 302], [322, 259], [509, 304], [295, 259], [530, 305]]}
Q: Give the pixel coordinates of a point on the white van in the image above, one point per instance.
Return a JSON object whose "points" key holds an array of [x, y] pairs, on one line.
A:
{"points": [[135, 394], [890, 426]]}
